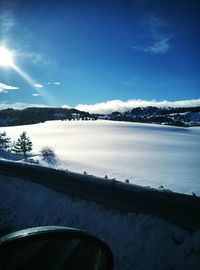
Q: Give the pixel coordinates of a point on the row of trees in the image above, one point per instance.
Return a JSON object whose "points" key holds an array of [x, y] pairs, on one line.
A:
{"points": [[13, 117], [22, 146]]}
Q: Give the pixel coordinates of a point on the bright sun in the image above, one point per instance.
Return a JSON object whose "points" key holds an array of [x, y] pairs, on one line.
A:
{"points": [[6, 57]]}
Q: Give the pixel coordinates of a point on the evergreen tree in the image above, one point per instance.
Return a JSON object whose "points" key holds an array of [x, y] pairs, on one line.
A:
{"points": [[23, 145], [4, 140]]}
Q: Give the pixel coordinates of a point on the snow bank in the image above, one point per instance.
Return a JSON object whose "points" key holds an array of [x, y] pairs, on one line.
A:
{"points": [[137, 241], [180, 209]]}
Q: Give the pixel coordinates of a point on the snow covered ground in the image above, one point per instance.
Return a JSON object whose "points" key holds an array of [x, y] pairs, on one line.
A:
{"points": [[148, 155], [137, 241]]}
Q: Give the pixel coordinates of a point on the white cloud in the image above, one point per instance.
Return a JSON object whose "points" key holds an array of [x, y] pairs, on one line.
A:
{"points": [[161, 46], [4, 87], [6, 22], [121, 106], [56, 83], [158, 47], [35, 95], [158, 39], [38, 85]]}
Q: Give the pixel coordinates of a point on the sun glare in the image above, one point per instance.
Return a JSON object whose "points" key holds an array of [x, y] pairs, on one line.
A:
{"points": [[6, 57]]}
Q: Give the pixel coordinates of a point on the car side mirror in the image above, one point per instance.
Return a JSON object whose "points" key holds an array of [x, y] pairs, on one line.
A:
{"points": [[54, 248]]}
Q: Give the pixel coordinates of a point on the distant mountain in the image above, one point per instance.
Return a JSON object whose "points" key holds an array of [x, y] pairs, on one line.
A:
{"points": [[184, 117]]}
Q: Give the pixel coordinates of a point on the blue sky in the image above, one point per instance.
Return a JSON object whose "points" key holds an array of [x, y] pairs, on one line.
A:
{"points": [[100, 55]]}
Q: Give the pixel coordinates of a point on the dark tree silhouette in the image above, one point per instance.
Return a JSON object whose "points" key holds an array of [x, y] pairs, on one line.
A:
{"points": [[4, 140], [23, 145], [49, 155]]}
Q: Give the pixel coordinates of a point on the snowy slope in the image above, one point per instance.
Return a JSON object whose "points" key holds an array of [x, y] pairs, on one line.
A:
{"points": [[150, 155], [137, 241]]}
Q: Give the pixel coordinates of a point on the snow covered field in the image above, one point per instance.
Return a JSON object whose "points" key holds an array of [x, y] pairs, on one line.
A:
{"points": [[148, 155], [137, 241]]}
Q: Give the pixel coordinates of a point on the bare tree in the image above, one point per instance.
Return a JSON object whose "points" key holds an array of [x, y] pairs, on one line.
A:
{"points": [[48, 155]]}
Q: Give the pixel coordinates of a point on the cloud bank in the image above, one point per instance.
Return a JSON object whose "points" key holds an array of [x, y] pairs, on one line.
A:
{"points": [[121, 106], [111, 106]]}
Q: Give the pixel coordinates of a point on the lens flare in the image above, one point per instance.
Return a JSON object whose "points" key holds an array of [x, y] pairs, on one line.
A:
{"points": [[7, 60], [6, 57]]}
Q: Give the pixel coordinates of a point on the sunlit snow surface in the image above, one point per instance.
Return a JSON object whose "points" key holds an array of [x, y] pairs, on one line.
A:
{"points": [[148, 155]]}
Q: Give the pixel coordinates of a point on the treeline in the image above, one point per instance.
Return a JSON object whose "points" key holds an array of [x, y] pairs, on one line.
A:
{"points": [[12, 117], [168, 116]]}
